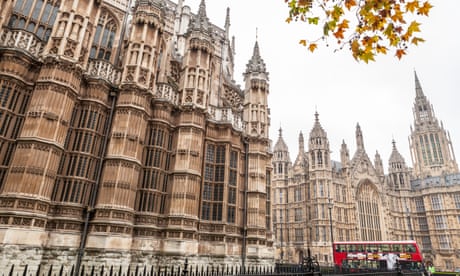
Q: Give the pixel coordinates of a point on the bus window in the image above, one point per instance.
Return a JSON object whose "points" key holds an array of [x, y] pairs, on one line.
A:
{"points": [[396, 248], [410, 248], [385, 248], [372, 248]]}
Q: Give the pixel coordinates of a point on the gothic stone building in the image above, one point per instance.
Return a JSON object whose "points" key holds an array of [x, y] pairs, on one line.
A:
{"points": [[354, 200], [124, 139]]}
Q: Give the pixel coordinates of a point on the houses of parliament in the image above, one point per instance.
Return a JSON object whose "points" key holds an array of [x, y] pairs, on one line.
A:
{"points": [[125, 140], [317, 200]]}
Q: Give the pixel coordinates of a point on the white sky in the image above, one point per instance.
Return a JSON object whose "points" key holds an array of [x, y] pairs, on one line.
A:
{"points": [[378, 95]]}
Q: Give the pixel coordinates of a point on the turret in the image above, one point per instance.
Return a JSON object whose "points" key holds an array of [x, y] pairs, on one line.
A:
{"points": [[398, 172], [319, 147], [431, 147], [256, 112], [281, 159]]}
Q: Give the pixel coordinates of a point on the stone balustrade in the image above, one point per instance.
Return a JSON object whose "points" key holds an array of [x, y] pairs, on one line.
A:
{"points": [[103, 69], [226, 116], [21, 39], [166, 92]]}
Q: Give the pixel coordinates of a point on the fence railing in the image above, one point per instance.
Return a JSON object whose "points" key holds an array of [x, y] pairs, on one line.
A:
{"points": [[155, 270]]}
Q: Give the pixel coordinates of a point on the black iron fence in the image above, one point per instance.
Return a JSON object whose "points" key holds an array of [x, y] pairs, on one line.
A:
{"points": [[151, 270], [187, 270]]}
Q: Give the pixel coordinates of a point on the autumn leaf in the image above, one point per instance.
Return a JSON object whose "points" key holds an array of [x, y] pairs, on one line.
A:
{"points": [[367, 56], [305, 3], [313, 20], [413, 27], [400, 53], [379, 27], [417, 40], [312, 47], [349, 4], [339, 34], [381, 49], [411, 6], [425, 9]]}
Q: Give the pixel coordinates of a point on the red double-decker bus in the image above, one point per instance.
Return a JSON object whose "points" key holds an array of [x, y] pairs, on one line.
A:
{"points": [[359, 256]]}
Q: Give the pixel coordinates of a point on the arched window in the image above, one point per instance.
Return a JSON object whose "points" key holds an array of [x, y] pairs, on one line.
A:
{"points": [[103, 38], [35, 16], [369, 212]]}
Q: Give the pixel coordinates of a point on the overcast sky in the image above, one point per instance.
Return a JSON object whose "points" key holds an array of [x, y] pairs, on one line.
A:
{"points": [[379, 96]]}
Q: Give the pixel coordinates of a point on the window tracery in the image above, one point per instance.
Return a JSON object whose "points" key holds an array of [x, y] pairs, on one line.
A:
{"points": [[35, 16]]}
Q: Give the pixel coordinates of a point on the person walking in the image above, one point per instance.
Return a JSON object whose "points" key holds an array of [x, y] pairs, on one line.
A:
{"points": [[431, 270]]}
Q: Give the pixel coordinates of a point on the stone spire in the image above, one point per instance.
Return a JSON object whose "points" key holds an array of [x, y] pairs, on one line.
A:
{"points": [[301, 143], [344, 155], [418, 87], [227, 23], [359, 138], [280, 145], [398, 171], [201, 21], [256, 63], [396, 157], [378, 164], [317, 130]]}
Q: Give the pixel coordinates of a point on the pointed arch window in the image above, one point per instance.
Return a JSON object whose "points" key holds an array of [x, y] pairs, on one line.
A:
{"points": [[104, 37], [368, 212], [35, 16]]}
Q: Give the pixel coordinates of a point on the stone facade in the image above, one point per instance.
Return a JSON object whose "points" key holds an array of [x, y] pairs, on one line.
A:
{"points": [[125, 139], [353, 199]]}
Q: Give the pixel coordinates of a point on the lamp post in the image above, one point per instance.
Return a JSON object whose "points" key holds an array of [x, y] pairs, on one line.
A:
{"points": [[331, 205]]}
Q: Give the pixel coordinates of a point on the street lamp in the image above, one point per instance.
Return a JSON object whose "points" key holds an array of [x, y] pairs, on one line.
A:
{"points": [[331, 205]]}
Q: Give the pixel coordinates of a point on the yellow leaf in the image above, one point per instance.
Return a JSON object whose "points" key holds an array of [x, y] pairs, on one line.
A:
{"points": [[411, 6], [381, 49], [413, 27], [367, 56], [288, 20], [425, 9], [416, 40], [312, 47], [303, 42]]}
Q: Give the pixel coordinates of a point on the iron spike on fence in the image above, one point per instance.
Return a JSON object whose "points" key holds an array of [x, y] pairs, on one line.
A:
{"points": [[38, 270], [50, 272], [11, 270]]}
